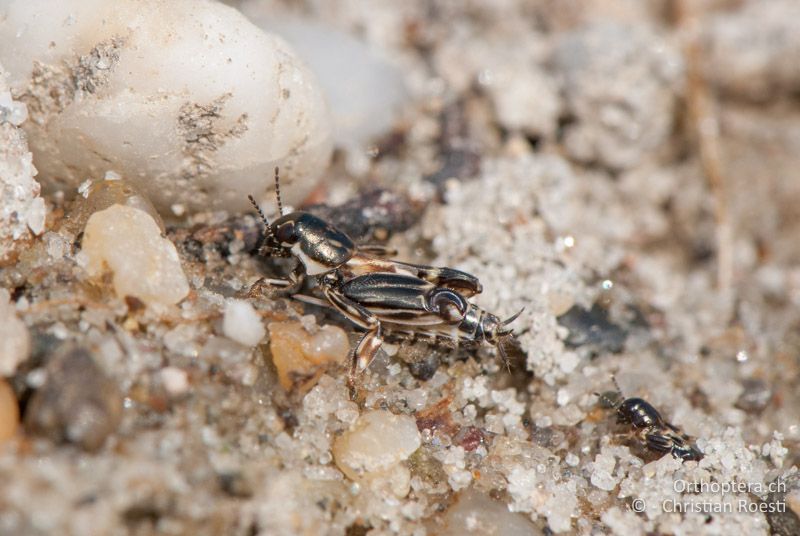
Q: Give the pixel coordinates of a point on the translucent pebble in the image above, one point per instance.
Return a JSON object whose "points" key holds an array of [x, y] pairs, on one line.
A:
{"points": [[144, 264], [175, 380], [298, 354], [602, 478], [37, 213], [376, 442], [242, 324]]}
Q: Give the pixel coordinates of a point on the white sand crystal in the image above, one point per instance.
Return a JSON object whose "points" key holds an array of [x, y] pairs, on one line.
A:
{"points": [[242, 324], [22, 211]]}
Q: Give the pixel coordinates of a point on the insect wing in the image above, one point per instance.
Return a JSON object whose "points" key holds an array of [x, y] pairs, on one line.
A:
{"points": [[395, 298], [466, 284]]}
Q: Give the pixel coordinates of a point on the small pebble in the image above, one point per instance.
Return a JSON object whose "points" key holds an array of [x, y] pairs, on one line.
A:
{"points": [[559, 302], [9, 411], [175, 380], [15, 341], [78, 403], [377, 441], [129, 242], [755, 397], [242, 324], [297, 354], [477, 513], [592, 329], [602, 478]]}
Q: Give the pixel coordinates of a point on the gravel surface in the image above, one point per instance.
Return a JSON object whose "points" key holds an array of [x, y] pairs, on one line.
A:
{"points": [[624, 172]]}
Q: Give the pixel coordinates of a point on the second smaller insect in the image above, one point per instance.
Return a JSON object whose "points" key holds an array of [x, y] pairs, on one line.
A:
{"points": [[656, 433]]}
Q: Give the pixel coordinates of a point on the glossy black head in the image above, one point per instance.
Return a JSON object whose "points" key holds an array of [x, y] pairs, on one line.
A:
{"points": [[317, 244], [639, 413]]}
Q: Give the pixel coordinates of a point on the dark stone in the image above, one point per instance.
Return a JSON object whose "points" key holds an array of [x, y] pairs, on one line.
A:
{"points": [[78, 403], [422, 358], [755, 397], [235, 485], [371, 216], [592, 329], [425, 368], [193, 243], [786, 522]]}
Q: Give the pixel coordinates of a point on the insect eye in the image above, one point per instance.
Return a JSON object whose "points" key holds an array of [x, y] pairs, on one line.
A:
{"points": [[286, 234]]}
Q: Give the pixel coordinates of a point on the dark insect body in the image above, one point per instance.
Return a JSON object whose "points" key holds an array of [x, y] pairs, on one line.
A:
{"points": [[376, 293], [656, 433]]}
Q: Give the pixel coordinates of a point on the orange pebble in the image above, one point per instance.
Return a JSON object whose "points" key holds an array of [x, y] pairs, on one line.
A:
{"points": [[9, 411]]}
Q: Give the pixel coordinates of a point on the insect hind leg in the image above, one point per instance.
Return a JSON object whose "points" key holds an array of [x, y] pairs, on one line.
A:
{"points": [[369, 344], [366, 350]]}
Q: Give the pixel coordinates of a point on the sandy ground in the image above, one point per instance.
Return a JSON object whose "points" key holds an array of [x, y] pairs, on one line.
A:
{"points": [[625, 171]]}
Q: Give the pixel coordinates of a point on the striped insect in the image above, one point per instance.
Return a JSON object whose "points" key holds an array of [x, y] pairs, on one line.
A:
{"points": [[656, 433], [375, 293], [406, 306]]}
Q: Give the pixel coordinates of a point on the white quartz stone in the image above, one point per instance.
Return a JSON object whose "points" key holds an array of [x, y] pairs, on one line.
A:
{"points": [[185, 98], [378, 440]]}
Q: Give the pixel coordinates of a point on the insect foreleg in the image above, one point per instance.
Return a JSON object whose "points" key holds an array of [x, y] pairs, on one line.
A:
{"points": [[291, 285]]}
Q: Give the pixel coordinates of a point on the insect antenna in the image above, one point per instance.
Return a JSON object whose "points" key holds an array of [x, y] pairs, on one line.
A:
{"points": [[605, 400], [265, 221], [614, 379], [278, 190]]}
